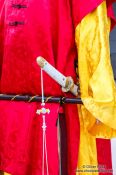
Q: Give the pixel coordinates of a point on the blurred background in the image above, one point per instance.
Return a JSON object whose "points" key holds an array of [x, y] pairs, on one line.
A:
{"points": [[113, 46], [113, 60]]}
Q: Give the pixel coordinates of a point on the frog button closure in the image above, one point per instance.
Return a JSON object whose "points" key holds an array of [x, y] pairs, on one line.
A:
{"points": [[16, 23], [19, 6]]}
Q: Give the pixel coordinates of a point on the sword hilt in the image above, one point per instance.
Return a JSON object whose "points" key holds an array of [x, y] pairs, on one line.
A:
{"points": [[67, 83]]}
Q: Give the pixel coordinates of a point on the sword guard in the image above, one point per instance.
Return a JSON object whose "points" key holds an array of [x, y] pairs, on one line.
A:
{"points": [[70, 86]]}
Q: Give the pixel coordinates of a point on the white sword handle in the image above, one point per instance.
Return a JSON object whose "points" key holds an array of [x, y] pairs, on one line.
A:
{"points": [[51, 71], [67, 83]]}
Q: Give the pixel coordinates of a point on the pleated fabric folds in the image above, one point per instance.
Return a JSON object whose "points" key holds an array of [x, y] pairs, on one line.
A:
{"points": [[98, 91]]}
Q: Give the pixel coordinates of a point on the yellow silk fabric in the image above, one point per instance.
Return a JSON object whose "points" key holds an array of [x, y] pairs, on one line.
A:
{"points": [[98, 90], [87, 160]]}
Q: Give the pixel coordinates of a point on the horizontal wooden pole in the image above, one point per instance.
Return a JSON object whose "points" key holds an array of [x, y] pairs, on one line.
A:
{"points": [[49, 99]]}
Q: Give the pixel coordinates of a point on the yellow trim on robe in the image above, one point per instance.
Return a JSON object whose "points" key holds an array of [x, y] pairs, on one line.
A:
{"points": [[98, 89]]}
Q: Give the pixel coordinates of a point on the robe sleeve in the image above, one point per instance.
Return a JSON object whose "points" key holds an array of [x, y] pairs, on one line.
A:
{"points": [[82, 8], [98, 89]]}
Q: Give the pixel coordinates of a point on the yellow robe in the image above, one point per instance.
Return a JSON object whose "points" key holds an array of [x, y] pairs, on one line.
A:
{"points": [[98, 90]]}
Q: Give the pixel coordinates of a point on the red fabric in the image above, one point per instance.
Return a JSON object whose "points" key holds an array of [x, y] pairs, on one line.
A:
{"points": [[104, 156], [21, 138], [111, 13], [52, 38], [42, 34], [81, 8], [45, 35], [73, 135]]}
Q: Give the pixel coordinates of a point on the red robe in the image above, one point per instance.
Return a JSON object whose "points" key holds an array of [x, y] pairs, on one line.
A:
{"points": [[28, 29]]}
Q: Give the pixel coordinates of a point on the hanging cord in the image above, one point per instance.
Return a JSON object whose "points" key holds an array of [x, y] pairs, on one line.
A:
{"points": [[42, 87], [44, 128], [46, 157]]}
